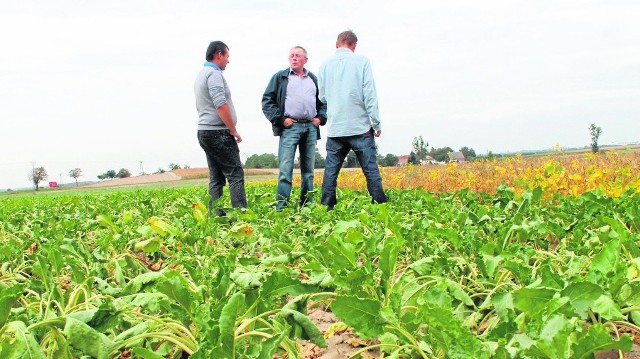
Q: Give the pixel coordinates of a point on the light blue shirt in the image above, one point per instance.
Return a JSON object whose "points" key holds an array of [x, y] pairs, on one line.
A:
{"points": [[300, 102], [346, 85]]}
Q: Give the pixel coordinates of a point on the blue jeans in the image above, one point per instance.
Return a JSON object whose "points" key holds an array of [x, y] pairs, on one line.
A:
{"points": [[223, 159], [337, 149], [305, 137]]}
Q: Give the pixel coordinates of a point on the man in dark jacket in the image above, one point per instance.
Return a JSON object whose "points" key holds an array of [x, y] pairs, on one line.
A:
{"points": [[290, 102]]}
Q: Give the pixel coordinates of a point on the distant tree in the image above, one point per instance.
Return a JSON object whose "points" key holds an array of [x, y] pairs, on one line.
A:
{"points": [[468, 153], [173, 166], [413, 159], [102, 177], [320, 161], [123, 173], [160, 170], [186, 166], [440, 154], [75, 173], [38, 175], [595, 134], [389, 160], [110, 174], [420, 148], [265, 160], [351, 160]]}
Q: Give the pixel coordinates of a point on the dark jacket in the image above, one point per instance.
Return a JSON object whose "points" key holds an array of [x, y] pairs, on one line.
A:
{"points": [[273, 101]]}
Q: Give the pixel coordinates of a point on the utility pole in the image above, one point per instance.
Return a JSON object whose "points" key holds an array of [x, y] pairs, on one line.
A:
{"points": [[141, 169]]}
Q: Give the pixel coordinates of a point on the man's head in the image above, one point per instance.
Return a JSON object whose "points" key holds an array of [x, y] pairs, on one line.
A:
{"points": [[297, 58], [218, 53], [347, 39]]}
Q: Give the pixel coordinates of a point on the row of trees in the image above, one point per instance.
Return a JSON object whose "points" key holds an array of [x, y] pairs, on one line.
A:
{"points": [[111, 174], [39, 174]]}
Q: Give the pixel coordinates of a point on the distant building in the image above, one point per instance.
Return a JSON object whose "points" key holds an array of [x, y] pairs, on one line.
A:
{"points": [[456, 157], [403, 160]]}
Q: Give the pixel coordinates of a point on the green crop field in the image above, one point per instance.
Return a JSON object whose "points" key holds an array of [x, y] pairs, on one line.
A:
{"points": [[145, 273]]}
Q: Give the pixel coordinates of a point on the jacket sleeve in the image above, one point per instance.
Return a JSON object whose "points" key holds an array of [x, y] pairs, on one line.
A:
{"points": [[322, 111], [270, 106]]}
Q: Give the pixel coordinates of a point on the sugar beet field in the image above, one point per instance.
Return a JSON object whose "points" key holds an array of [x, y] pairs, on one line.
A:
{"points": [[498, 259]]}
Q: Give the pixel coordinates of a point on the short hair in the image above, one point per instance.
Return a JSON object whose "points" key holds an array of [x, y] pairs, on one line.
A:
{"points": [[214, 48], [347, 37], [301, 48]]}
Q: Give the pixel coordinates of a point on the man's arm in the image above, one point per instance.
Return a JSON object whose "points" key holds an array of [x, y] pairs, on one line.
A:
{"points": [[371, 98], [217, 93], [225, 115], [270, 106]]}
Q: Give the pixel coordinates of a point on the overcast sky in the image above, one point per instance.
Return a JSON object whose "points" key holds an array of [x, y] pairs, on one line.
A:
{"points": [[103, 85]]}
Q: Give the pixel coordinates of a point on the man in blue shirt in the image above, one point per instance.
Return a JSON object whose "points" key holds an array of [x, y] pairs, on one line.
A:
{"points": [[217, 131], [290, 102], [346, 85]]}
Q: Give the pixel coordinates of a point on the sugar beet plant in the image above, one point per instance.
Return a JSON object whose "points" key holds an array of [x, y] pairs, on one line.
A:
{"points": [[457, 275]]}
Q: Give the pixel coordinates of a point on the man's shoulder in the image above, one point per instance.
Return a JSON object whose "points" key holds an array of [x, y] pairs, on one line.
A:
{"points": [[282, 73]]}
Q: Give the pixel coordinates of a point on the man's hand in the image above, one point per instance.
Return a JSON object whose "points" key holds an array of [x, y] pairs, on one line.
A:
{"points": [[236, 135], [377, 133], [316, 121], [288, 121]]}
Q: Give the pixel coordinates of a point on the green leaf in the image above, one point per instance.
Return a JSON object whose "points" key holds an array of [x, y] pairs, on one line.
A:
{"points": [[150, 302], [502, 302], [145, 353], [555, 338], [18, 343], [457, 291], [175, 286], [87, 340], [607, 308], [423, 266], [270, 346], [8, 297], [582, 296], [131, 332], [598, 338], [605, 261], [136, 284], [309, 330], [227, 324], [389, 256], [247, 279], [532, 300], [362, 314], [342, 255], [150, 245], [343, 226], [280, 283]]}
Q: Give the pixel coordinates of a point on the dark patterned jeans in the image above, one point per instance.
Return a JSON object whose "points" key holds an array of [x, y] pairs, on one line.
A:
{"points": [[223, 159], [337, 149]]}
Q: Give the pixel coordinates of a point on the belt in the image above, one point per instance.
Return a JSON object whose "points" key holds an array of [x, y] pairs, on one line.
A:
{"points": [[301, 120]]}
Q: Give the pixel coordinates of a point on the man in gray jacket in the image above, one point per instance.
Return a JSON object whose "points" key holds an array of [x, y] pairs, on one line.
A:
{"points": [[217, 131], [290, 102]]}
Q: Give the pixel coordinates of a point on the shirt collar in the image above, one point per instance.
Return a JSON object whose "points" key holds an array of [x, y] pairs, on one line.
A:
{"points": [[211, 64], [305, 71]]}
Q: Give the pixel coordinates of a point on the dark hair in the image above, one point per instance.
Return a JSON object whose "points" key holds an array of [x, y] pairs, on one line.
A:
{"points": [[347, 37], [214, 48]]}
